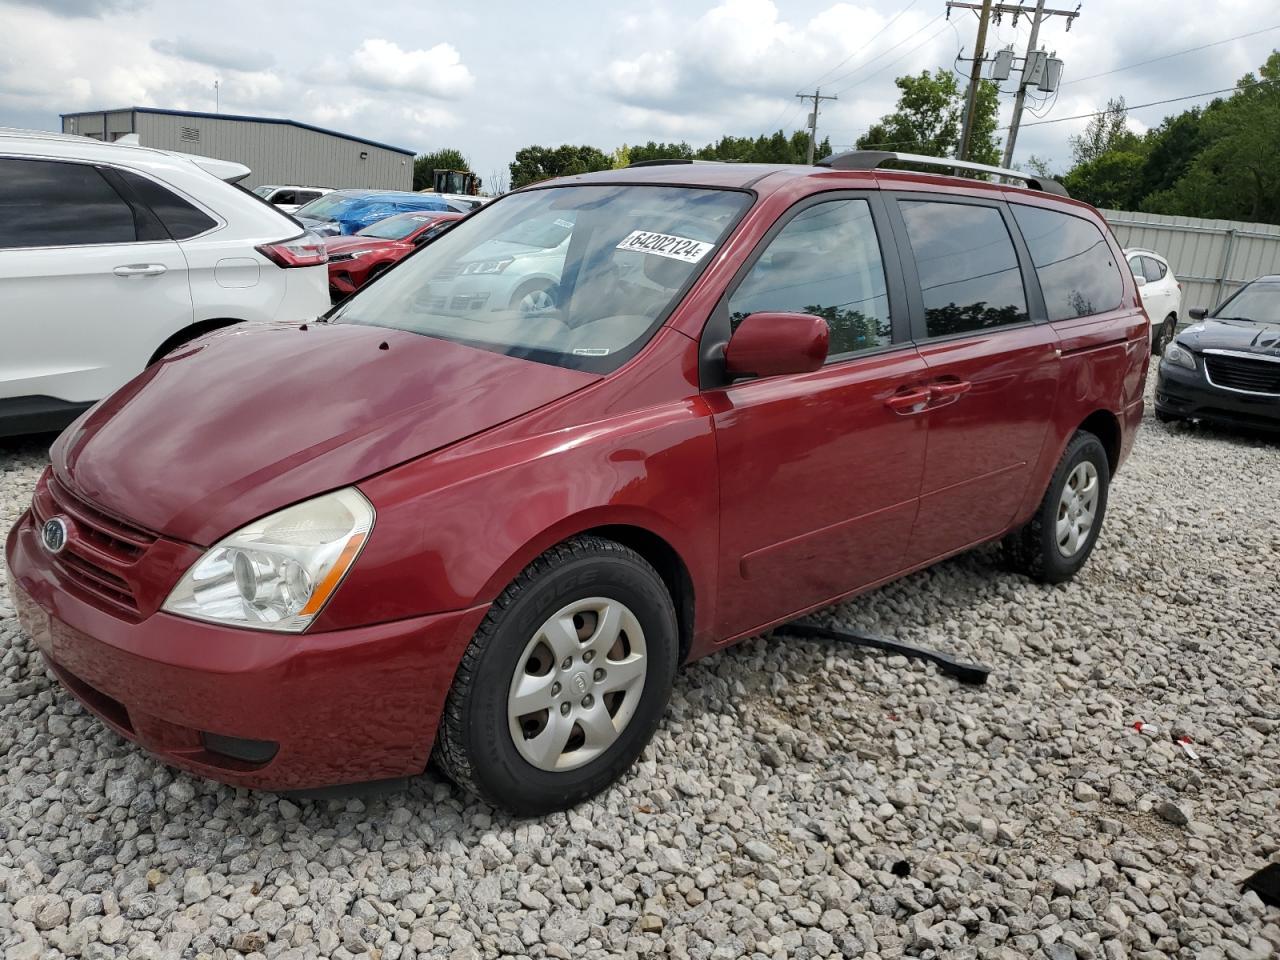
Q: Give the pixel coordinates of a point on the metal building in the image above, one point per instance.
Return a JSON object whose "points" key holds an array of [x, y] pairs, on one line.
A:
{"points": [[276, 150]]}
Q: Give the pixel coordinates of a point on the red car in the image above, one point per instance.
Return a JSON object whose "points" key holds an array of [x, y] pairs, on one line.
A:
{"points": [[357, 259], [305, 555]]}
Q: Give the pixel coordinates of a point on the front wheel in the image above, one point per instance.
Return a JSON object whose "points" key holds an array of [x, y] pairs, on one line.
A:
{"points": [[564, 682], [1057, 540], [1164, 335]]}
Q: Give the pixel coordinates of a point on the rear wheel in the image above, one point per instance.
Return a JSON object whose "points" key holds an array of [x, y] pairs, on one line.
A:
{"points": [[1057, 540], [564, 682]]}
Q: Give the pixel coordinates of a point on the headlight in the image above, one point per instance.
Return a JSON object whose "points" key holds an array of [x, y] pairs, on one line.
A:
{"points": [[1179, 356], [488, 266], [278, 572]]}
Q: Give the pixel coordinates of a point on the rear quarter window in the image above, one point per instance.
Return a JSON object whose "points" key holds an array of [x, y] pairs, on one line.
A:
{"points": [[180, 218], [1078, 274]]}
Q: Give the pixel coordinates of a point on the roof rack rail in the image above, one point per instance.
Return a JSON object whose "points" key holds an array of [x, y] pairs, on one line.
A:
{"points": [[871, 159], [665, 162]]}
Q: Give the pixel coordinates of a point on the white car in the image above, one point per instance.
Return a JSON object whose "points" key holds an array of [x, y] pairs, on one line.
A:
{"points": [[290, 198], [111, 256], [1160, 291]]}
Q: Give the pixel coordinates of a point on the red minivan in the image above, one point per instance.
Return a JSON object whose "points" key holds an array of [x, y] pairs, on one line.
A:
{"points": [[299, 555]]}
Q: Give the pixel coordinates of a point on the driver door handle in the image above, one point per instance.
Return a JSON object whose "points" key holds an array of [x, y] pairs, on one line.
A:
{"points": [[908, 402], [948, 391], [140, 270]]}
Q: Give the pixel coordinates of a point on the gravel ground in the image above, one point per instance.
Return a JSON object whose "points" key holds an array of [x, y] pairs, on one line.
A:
{"points": [[801, 800]]}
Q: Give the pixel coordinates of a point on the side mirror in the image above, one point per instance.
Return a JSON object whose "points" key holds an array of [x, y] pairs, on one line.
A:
{"points": [[1197, 313], [1139, 279], [772, 344]]}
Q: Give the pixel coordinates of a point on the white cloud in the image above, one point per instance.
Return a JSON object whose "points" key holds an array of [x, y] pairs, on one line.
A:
{"points": [[214, 54], [438, 72], [653, 75]]}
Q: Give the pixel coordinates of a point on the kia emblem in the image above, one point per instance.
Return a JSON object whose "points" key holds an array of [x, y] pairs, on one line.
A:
{"points": [[54, 535]]}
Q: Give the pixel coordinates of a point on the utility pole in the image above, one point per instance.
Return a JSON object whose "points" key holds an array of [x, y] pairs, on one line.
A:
{"points": [[987, 8], [975, 78], [1012, 138], [1039, 15], [217, 97], [816, 96]]}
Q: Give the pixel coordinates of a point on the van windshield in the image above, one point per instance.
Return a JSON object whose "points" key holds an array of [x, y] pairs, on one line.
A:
{"points": [[577, 276]]}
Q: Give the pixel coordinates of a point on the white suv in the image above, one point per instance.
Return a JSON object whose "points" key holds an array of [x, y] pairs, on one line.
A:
{"points": [[1160, 291], [112, 255], [289, 199]]}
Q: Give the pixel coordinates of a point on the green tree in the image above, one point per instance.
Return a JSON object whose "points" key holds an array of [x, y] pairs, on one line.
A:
{"points": [[929, 115], [425, 164], [1111, 180], [1235, 174], [533, 164], [1107, 131], [660, 151]]}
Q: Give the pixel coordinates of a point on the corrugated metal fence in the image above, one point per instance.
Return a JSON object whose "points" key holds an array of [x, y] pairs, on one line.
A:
{"points": [[1211, 258]]}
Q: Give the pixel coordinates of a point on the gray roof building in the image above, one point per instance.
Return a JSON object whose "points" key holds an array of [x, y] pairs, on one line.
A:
{"points": [[276, 150]]}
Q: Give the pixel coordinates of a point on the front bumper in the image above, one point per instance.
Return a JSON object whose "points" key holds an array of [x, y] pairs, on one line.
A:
{"points": [[252, 709], [1187, 394]]}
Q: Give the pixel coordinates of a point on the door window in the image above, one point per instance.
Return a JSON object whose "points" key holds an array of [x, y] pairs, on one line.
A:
{"points": [[969, 274], [285, 196], [48, 203], [1078, 274], [1135, 267], [825, 261], [306, 196], [1153, 269]]}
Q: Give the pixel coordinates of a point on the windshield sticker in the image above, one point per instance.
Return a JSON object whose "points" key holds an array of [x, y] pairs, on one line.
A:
{"points": [[567, 224], [590, 351], [665, 245]]}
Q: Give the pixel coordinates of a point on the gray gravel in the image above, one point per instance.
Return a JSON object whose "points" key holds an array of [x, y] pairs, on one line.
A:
{"points": [[801, 800]]}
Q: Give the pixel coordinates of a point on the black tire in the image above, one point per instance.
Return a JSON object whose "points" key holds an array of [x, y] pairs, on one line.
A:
{"points": [[1163, 335], [1033, 549], [474, 745]]}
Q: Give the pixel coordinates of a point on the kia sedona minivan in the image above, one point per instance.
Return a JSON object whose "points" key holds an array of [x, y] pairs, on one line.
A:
{"points": [[422, 529]]}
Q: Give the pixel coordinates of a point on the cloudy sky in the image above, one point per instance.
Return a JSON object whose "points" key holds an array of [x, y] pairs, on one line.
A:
{"points": [[489, 78]]}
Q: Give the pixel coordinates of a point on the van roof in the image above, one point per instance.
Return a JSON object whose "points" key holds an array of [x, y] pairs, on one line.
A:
{"points": [[853, 166]]}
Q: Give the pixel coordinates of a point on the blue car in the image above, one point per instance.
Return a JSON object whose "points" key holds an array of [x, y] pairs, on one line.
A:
{"points": [[347, 211]]}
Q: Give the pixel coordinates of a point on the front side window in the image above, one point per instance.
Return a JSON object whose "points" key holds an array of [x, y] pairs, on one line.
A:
{"points": [[285, 196], [579, 276], [968, 269], [1078, 275], [825, 261], [49, 203]]}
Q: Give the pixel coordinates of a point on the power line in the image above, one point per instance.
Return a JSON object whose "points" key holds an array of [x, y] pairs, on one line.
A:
{"points": [[883, 53], [933, 36], [1170, 56], [1153, 103], [865, 45]]}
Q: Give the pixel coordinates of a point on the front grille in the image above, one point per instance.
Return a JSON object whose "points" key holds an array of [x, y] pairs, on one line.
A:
{"points": [[1243, 373], [100, 551]]}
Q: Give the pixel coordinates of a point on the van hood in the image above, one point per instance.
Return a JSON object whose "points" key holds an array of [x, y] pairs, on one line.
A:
{"points": [[253, 418]]}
